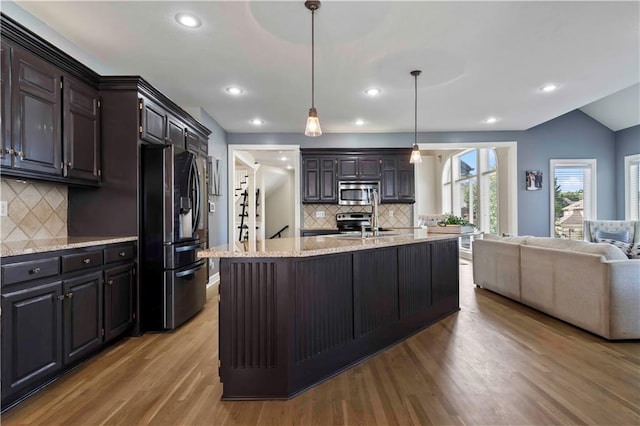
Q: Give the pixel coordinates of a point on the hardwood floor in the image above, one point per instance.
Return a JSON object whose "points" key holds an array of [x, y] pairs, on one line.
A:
{"points": [[494, 362]]}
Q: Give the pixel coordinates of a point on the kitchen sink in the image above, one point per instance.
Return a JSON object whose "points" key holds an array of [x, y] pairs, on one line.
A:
{"points": [[368, 235]]}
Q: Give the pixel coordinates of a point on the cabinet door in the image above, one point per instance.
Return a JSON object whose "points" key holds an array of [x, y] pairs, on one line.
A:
{"points": [[310, 180], [389, 179], [5, 104], [348, 167], [81, 130], [175, 132], [31, 336], [405, 187], [328, 190], [369, 168], [193, 142], [118, 300], [36, 109], [82, 315], [153, 122]]}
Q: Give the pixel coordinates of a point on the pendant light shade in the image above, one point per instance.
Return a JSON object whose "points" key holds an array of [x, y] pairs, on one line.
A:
{"points": [[313, 124], [415, 151]]}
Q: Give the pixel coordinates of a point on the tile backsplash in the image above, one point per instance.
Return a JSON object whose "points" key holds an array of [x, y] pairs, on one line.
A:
{"points": [[36, 210], [402, 215]]}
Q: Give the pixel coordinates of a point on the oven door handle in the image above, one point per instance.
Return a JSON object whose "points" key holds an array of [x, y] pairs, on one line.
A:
{"points": [[191, 271]]}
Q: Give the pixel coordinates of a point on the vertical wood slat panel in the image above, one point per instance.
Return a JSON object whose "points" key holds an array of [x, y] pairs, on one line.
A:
{"points": [[323, 305], [253, 338], [414, 272], [375, 289], [445, 273]]}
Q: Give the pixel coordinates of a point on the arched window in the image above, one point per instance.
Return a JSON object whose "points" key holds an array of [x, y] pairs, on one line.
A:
{"points": [[470, 187]]}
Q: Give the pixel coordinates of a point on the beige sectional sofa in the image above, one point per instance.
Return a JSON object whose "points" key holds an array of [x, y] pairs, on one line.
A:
{"points": [[591, 285]]}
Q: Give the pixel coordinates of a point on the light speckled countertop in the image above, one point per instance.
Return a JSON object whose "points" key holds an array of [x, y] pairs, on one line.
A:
{"points": [[16, 248], [323, 244]]}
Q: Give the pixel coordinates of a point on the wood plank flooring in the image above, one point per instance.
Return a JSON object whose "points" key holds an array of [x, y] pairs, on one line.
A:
{"points": [[494, 362]]}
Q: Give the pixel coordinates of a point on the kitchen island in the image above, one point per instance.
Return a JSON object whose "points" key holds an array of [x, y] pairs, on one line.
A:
{"points": [[296, 311]]}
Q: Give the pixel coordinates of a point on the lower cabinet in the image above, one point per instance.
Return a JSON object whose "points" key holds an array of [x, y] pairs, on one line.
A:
{"points": [[60, 318], [31, 336], [118, 301]]}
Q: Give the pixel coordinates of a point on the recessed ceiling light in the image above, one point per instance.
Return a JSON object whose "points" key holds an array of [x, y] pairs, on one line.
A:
{"points": [[372, 91], [289, 166], [490, 120], [234, 90], [257, 122], [188, 20], [283, 158], [547, 88], [359, 122]]}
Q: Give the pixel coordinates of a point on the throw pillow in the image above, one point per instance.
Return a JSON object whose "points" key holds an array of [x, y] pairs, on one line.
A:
{"points": [[623, 236], [625, 247], [634, 251]]}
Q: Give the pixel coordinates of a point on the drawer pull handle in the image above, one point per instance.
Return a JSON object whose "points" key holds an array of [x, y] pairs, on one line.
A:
{"points": [[69, 295], [86, 261], [110, 282], [35, 271], [122, 254]]}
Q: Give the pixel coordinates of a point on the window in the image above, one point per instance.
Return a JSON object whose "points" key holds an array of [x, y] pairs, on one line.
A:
{"points": [[470, 188], [632, 187], [573, 196]]}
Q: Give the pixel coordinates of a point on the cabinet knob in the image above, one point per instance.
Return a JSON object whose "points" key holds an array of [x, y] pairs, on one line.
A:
{"points": [[35, 271], [110, 282], [20, 154], [122, 254], [69, 164], [10, 151], [69, 295], [86, 261]]}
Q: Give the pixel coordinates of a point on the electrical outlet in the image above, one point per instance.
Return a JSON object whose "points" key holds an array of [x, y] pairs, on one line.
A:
{"points": [[212, 207], [3, 208], [319, 213], [390, 213]]}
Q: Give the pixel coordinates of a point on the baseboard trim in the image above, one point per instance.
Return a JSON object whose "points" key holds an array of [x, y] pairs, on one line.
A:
{"points": [[212, 285]]}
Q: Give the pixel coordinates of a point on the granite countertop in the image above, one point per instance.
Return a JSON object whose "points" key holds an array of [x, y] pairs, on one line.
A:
{"points": [[323, 244], [16, 248]]}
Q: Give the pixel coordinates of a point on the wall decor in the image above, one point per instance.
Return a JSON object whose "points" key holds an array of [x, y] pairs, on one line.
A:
{"points": [[214, 176], [533, 180]]}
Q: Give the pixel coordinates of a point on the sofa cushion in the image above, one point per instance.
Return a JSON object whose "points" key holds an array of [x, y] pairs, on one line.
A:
{"points": [[608, 251]]}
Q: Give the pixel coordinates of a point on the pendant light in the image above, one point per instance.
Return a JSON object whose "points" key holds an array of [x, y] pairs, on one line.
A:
{"points": [[313, 124], [415, 151]]}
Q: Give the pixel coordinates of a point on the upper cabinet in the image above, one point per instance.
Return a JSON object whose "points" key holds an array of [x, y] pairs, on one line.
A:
{"points": [[50, 112], [359, 167], [323, 168]]}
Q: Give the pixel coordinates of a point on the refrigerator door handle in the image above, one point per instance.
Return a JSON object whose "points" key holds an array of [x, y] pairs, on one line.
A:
{"points": [[197, 195]]}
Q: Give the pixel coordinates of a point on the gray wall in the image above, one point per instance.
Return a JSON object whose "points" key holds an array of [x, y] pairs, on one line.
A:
{"points": [[627, 143], [573, 135]]}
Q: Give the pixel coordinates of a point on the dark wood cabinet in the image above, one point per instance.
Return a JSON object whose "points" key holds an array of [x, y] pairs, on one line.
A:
{"points": [[31, 336], [359, 167], [50, 120], [398, 182], [36, 114], [82, 316], [153, 122], [388, 166], [118, 300], [81, 138], [193, 142], [176, 131], [319, 180], [59, 308]]}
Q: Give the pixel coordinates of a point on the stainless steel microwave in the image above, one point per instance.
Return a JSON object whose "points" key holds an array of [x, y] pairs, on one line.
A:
{"points": [[356, 193]]}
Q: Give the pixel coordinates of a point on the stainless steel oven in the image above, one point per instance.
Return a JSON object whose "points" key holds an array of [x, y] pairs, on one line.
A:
{"points": [[353, 193]]}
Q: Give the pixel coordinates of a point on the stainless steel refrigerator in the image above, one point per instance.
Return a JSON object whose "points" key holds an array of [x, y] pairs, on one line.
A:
{"points": [[173, 228]]}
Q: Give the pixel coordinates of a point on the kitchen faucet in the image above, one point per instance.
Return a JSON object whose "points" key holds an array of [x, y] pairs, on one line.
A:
{"points": [[374, 212]]}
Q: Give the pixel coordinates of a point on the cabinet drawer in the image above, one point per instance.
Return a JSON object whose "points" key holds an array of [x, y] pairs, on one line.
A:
{"points": [[117, 254], [79, 261], [31, 270]]}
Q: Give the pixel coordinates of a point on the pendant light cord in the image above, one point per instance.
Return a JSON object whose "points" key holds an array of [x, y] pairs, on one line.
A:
{"points": [[313, 54], [415, 118]]}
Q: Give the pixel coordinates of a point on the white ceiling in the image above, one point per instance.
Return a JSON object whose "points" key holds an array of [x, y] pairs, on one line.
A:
{"points": [[478, 59]]}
